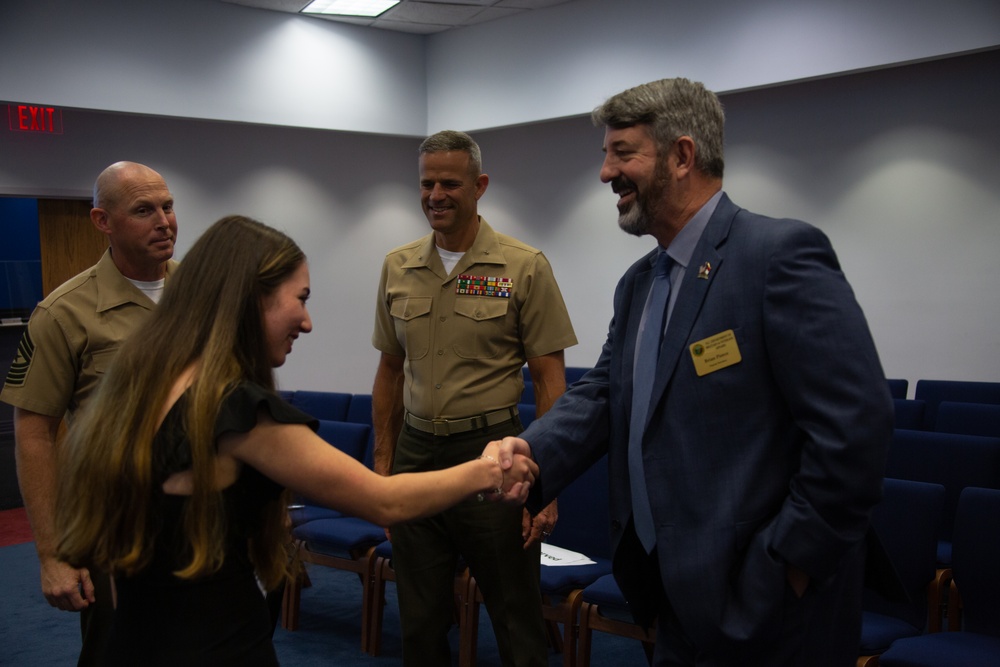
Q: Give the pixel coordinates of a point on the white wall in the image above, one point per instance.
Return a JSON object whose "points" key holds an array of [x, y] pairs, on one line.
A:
{"points": [[213, 60], [900, 167], [564, 60], [208, 59]]}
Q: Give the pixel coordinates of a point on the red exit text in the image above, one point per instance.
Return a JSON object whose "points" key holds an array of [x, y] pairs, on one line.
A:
{"points": [[28, 118]]}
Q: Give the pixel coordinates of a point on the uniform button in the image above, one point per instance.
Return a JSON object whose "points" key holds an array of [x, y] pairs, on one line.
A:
{"points": [[443, 318], [440, 352], [479, 313], [437, 386]]}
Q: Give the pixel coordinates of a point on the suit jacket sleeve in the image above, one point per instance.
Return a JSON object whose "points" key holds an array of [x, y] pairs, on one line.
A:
{"points": [[824, 363]]}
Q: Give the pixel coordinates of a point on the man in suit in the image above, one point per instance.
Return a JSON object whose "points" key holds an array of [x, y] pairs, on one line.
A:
{"points": [[740, 500]]}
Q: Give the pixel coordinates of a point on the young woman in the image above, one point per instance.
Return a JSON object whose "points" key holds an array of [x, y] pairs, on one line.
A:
{"points": [[174, 479]]}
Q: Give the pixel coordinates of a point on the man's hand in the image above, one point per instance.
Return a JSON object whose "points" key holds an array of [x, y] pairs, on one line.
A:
{"points": [[519, 471], [66, 587], [537, 529]]}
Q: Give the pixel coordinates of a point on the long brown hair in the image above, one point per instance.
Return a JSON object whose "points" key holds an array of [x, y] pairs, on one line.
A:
{"points": [[210, 313]]}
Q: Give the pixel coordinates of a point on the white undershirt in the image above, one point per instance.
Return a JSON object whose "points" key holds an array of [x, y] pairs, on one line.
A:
{"points": [[449, 259], [152, 288]]}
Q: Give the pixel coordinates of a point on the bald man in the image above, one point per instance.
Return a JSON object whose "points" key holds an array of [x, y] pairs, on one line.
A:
{"points": [[70, 339]]}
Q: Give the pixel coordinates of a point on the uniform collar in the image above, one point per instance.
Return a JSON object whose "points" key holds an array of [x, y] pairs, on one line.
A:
{"points": [[114, 289], [485, 249]]}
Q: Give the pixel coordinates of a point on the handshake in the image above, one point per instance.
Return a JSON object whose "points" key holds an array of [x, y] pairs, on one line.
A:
{"points": [[517, 470]]}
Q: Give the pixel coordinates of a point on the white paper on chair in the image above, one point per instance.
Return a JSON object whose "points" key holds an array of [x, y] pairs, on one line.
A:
{"points": [[552, 555]]}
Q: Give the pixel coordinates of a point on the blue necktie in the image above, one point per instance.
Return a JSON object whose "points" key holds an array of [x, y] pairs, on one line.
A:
{"points": [[647, 353]]}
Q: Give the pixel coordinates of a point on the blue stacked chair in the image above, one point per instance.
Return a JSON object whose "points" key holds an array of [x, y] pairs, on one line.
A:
{"points": [[906, 522], [954, 461], [604, 608], [583, 527], [526, 413], [936, 391], [528, 394], [898, 387], [973, 639], [465, 593], [330, 405], [325, 537], [909, 413], [359, 411], [968, 418]]}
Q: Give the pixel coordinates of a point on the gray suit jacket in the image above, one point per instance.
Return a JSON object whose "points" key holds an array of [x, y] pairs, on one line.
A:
{"points": [[774, 460]]}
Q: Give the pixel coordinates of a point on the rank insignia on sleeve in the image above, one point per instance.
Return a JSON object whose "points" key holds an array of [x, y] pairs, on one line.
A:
{"points": [[22, 361], [484, 286]]}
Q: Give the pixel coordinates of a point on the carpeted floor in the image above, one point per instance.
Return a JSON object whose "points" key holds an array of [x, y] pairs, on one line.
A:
{"points": [[33, 634]]}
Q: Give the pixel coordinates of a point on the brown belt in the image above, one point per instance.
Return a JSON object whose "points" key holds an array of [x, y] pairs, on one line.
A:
{"points": [[456, 426]]}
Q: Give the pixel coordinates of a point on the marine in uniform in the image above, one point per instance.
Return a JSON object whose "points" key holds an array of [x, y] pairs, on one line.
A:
{"points": [[453, 342], [71, 338]]}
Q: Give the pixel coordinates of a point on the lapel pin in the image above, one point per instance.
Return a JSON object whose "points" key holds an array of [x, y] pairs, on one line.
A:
{"points": [[704, 270]]}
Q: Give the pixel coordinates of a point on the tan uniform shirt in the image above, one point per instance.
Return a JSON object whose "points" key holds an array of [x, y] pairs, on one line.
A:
{"points": [[71, 338], [464, 341]]}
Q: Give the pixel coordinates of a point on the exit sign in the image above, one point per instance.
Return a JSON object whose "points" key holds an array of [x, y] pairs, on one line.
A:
{"points": [[31, 118]]}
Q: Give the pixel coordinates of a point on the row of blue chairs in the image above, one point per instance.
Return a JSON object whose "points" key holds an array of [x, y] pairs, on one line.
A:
{"points": [[942, 476], [326, 537], [910, 633], [573, 373], [949, 406], [585, 598]]}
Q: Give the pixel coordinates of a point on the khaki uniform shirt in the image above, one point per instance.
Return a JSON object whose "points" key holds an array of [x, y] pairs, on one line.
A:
{"points": [[71, 338], [464, 341]]}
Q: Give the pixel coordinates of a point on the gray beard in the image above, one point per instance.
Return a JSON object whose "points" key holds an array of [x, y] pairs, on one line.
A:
{"points": [[634, 220]]}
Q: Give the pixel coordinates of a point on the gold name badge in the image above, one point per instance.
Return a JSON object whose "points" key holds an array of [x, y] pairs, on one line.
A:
{"points": [[715, 353]]}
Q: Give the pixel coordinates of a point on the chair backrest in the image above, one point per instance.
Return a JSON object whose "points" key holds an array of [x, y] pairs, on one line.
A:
{"points": [[585, 515], [331, 405], [350, 438], [528, 395], [574, 373], [909, 413], [898, 387], [976, 558], [935, 391], [955, 461], [968, 418], [359, 410], [526, 412], [906, 521]]}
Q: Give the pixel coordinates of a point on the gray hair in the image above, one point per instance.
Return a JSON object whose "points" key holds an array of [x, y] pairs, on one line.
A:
{"points": [[672, 108], [452, 140]]}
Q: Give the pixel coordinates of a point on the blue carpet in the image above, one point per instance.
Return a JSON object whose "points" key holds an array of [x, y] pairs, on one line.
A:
{"points": [[33, 634]]}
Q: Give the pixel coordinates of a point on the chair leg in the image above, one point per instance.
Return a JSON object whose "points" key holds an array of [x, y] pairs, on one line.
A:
{"points": [[382, 573], [290, 601], [468, 625], [552, 631], [292, 595], [367, 601], [583, 637], [571, 632]]}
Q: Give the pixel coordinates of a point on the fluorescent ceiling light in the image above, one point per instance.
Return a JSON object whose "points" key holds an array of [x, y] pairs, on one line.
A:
{"points": [[349, 7]]}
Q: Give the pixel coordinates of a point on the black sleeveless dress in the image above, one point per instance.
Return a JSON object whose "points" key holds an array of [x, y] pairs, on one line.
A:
{"points": [[222, 618]]}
